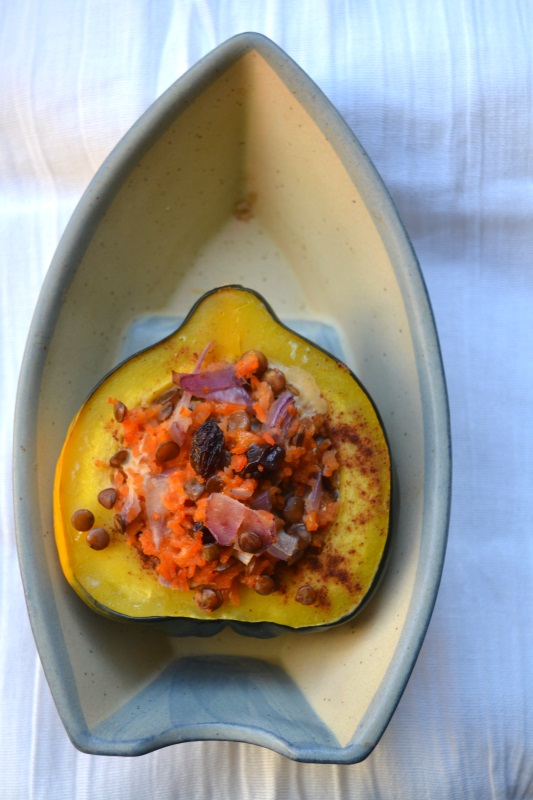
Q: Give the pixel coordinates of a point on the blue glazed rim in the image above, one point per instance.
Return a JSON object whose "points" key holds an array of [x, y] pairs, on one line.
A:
{"points": [[436, 422]]}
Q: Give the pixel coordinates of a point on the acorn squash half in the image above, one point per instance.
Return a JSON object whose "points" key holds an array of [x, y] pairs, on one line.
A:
{"points": [[117, 583]]}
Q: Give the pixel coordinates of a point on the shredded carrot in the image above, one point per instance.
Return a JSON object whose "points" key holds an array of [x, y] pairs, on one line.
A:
{"points": [[238, 462], [311, 521], [330, 463], [165, 504], [260, 412], [247, 365], [240, 441]]}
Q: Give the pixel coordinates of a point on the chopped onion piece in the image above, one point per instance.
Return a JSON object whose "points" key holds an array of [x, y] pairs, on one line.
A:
{"points": [[131, 507], [262, 501], [221, 385], [202, 383], [285, 546], [245, 558], [155, 487], [225, 517], [312, 501], [279, 410], [236, 394], [244, 494]]}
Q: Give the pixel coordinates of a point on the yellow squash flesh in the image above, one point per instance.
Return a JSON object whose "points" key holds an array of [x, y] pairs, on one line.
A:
{"points": [[115, 582]]}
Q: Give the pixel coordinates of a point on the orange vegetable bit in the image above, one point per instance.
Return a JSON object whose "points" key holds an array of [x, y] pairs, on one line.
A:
{"points": [[239, 441], [329, 463], [238, 462], [247, 365], [181, 555]]}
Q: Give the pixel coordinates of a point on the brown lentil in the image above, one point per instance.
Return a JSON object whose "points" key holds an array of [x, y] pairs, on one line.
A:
{"points": [[167, 451], [119, 411], [119, 458], [306, 595], [119, 523], [107, 497], [239, 421], [165, 411], [193, 488], [275, 379], [98, 538], [82, 519], [210, 551], [208, 599], [261, 358], [250, 542], [294, 508], [169, 396], [214, 484], [264, 585]]}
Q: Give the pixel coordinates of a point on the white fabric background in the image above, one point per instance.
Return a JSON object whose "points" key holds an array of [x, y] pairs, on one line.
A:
{"points": [[440, 94]]}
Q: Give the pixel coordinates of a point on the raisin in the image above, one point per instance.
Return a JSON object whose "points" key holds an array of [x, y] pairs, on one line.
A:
{"points": [[206, 448], [254, 454], [273, 458], [263, 460]]}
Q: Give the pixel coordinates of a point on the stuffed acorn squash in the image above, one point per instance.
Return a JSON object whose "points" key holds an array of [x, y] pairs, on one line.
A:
{"points": [[233, 473]]}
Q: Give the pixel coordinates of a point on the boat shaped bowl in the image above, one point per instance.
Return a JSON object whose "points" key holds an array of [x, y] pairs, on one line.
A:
{"points": [[241, 172]]}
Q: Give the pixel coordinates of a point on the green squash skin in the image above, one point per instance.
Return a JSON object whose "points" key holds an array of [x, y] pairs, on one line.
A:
{"points": [[192, 626], [184, 626]]}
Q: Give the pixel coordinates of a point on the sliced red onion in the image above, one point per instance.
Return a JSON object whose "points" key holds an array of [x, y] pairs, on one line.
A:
{"points": [[182, 423], [312, 501], [243, 557], [285, 547], [225, 517], [260, 522], [262, 500], [155, 487], [178, 428], [131, 508], [221, 385], [203, 354], [236, 394], [279, 409], [241, 493], [202, 383]]}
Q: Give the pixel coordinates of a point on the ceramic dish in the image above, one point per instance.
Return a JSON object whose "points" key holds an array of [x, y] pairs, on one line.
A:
{"points": [[242, 172]]}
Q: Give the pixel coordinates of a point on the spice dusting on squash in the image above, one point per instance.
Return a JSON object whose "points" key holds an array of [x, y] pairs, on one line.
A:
{"points": [[220, 480]]}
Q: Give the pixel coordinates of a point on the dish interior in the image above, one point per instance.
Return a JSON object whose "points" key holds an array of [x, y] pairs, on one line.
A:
{"points": [[239, 184]]}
